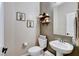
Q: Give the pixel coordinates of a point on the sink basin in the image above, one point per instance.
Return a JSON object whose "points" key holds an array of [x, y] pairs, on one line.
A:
{"points": [[61, 47]]}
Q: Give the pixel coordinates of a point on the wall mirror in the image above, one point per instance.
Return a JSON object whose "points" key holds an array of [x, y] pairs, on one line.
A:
{"points": [[64, 19]]}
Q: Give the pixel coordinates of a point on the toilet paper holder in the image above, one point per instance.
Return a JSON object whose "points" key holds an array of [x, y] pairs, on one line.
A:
{"points": [[25, 44]]}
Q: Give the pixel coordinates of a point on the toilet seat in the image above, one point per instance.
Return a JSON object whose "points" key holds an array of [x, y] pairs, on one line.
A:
{"points": [[35, 51]]}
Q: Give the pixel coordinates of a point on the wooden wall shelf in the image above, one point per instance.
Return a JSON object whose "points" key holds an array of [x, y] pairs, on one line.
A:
{"points": [[44, 18]]}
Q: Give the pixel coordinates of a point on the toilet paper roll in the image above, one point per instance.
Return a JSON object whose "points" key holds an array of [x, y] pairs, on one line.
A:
{"points": [[25, 44]]}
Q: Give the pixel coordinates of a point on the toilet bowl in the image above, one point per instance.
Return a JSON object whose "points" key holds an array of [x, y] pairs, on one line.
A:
{"points": [[35, 51], [38, 50]]}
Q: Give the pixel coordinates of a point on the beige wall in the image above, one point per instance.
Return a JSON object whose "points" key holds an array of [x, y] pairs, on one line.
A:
{"points": [[46, 29], [1, 25], [16, 32]]}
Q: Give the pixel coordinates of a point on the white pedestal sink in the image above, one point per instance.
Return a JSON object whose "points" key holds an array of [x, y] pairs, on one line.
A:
{"points": [[61, 47]]}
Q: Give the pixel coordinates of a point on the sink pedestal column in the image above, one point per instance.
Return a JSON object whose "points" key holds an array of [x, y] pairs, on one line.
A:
{"points": [[58, 53]]}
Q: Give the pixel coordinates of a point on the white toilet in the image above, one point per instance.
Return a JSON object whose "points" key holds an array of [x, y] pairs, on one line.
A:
{"points": [[38, 50]]}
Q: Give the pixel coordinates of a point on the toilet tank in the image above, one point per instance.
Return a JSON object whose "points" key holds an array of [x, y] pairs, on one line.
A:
{"points": [[42, 41]]}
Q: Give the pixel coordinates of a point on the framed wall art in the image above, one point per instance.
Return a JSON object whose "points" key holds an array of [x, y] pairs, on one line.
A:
{"points": [[20, 16], [30, 23]]}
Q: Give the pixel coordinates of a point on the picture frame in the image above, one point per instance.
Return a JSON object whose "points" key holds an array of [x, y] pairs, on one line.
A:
{"points": [[20, 16], [30, 23]]}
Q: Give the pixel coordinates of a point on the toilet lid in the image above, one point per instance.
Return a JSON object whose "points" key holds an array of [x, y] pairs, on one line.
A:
{"points": [[35, 49]]}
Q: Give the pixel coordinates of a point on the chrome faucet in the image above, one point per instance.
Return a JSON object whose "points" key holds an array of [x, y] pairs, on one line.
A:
{"points": [[61, 40]]}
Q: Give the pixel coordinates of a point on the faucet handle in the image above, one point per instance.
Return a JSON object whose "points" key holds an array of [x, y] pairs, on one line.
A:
{"points": [[61, 40]]}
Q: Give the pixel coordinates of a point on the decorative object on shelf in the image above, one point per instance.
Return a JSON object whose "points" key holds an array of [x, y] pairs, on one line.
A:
{"points": [[30, 23], [44, 18], [20, 16]]}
